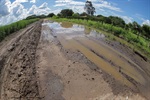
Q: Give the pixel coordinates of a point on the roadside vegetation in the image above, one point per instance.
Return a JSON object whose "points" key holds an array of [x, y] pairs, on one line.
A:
{"points": [[9, 29], [132, 34]]}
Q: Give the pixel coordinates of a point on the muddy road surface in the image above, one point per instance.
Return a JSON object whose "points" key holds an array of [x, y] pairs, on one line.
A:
{"points": [[17, 64], [64, 61]]}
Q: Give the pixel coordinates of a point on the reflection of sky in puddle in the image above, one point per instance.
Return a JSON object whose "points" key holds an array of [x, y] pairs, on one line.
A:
{"points": [[69, 30]]}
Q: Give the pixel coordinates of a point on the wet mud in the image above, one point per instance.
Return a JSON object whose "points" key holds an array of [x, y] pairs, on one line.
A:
{"points": [[18, 71], [92, 45]]}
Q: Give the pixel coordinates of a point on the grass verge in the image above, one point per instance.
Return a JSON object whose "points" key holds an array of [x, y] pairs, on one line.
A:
{"points": [[11, 28]]}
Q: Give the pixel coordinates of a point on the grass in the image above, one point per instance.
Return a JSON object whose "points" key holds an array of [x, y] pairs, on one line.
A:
{"points": [[127, 37], [9, 29]]}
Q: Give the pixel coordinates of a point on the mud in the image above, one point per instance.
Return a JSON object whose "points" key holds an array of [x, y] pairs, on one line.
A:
{"points": [[18, 71]]}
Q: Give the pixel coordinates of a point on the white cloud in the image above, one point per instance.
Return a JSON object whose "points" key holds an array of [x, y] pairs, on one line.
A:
{"points": [[16, 11], [4, 7], [107, 5], [63, 1], [9, 18], [95, 0], [32, 10], [78, 3], [127, 19], [21, 1], [32, 1], [146, 22], [43, 6], [43, 9], [76, 6], [59, 5], [98, 4]]}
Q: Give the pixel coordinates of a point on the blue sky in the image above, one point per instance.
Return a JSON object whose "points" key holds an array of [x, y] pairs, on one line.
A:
{"points": [[129, 10]]}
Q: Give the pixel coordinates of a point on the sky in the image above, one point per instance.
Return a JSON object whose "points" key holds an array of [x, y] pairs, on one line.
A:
{"points": [[129, 10]]}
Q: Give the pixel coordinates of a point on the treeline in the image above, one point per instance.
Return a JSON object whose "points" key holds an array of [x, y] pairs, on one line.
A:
{"points": [[40, 16], [134, 27], [9, 29]]}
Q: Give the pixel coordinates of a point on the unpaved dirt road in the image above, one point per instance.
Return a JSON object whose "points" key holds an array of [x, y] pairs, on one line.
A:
{"points": [[61, 61]]}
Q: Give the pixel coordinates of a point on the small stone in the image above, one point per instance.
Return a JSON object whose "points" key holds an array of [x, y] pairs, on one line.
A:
{"points": [[10, 64], [68, 82], [93, 78], [127, 98], [11, 48], [19, 75]]}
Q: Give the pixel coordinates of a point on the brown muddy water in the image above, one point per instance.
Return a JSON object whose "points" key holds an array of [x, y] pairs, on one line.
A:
{"points": [[89, 42]]}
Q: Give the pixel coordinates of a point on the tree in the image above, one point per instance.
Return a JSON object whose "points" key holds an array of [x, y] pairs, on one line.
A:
{"points": [[130, 26], [50, 15], [136, 27], [42, 16], [84, 14], [76, 15], [107, 20], [101, 18], [146, 30], [90, 10], [31, 17], [66, 12], [59, 15], [117, 21]]}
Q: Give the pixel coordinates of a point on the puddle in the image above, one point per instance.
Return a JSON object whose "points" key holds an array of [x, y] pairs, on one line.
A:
{"points": [[78, 37], [112, 57], [46, 32], [110, 69], [87, 31], [66, 25]]}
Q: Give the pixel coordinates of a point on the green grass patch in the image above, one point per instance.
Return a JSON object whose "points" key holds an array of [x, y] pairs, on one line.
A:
{"points": [[9, 29]]}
